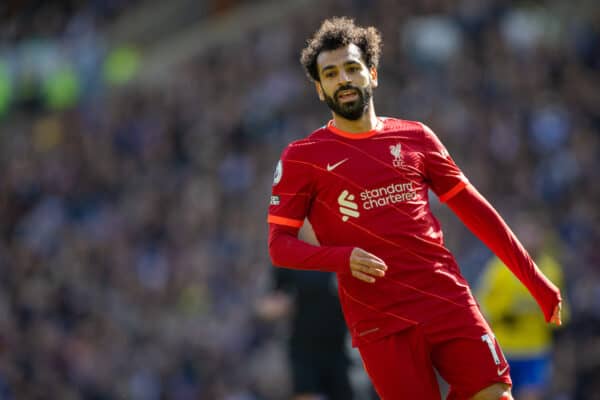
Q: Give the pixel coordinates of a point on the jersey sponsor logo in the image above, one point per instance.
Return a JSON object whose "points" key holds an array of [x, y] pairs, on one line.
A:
{"points": [[274, 200], [375, 198], [386, 195], [396, 151], [278, 173], [347, 206], [337, 164]]}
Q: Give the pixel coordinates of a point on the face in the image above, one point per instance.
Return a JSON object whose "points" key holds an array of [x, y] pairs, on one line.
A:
{"points": [[346, 83]]}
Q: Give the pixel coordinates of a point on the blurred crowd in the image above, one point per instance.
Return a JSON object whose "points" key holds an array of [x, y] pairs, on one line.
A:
{"points": [[133, 235], [53, 54]]}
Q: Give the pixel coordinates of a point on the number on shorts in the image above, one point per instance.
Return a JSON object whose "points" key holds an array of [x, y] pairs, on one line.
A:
{"points": [[490, 342]]}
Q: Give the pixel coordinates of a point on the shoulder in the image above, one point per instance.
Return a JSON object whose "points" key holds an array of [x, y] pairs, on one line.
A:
{"points": [[417, 130], [397, 124], [302, 148], [428, 138]]}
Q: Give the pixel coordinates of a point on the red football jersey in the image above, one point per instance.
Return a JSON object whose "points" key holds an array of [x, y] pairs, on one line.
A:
{"points": [[370, 190]]}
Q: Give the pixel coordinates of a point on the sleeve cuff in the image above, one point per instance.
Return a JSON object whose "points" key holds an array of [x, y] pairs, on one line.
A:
{"points": [[294, 223]]}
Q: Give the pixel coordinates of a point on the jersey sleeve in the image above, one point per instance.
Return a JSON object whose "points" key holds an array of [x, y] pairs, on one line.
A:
{"points": [[442, 173], [292, 191], [484, 221]]}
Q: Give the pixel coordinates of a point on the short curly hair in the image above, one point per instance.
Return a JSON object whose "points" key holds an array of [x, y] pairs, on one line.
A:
{"points": [[338, 32]]}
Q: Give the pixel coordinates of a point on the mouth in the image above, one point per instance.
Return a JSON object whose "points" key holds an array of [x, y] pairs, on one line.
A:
{"points": [[347, 95]]}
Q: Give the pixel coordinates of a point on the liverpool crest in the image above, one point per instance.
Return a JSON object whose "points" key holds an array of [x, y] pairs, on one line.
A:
{"points": [[396, 151]]}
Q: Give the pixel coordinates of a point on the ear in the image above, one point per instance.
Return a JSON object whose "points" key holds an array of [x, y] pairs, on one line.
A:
{"points": [[373, 73], [319, 90]]}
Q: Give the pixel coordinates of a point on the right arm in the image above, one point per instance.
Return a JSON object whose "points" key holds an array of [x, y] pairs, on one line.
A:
{"points": [[286, 250], [293, 191]]}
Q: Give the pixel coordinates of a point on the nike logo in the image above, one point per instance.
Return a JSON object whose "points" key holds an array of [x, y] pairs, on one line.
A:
{"points": [[501, 371], [337, 164]]}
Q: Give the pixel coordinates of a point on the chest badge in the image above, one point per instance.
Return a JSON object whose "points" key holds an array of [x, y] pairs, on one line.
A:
{"points": [[396, 151]]}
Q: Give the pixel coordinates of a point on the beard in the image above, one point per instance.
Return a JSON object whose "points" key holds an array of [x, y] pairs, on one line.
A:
{"points": [[351, 110]]}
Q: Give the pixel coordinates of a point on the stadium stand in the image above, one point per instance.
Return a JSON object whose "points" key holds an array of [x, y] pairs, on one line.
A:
{"points": [[133, 234]]}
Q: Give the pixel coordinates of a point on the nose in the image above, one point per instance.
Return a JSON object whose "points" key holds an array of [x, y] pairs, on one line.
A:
{"points": [[343, 78]]}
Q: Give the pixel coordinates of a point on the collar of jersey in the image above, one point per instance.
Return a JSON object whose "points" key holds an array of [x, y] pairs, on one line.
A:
{"points": [[358, 135]]}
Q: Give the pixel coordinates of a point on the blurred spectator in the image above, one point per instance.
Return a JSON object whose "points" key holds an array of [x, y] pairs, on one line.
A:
{"points": [[317, 348]]}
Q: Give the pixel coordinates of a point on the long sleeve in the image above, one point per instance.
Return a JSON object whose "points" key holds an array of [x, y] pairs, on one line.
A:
{"points": [[286, 250], [483, 220]]}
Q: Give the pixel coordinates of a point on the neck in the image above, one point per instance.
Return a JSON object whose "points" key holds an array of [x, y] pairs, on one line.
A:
{"points": [[368, 121]]}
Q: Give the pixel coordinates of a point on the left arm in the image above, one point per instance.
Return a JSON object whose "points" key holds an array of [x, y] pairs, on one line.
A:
{"points": [[483, 220], [453, 188]]}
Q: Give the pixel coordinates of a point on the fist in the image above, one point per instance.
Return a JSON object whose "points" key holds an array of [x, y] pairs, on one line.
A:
{"points": [[556, 317], [366, 266]]}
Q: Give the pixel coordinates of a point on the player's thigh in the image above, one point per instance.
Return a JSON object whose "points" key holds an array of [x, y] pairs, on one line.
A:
{"points": [[471, 363], [400, 366]]}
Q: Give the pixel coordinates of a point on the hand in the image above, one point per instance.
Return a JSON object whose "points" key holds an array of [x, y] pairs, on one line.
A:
{"points": [[366, 266], [555, 319]]}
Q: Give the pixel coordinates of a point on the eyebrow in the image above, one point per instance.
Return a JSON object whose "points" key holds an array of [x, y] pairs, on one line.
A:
{"points": [[327, 67]]}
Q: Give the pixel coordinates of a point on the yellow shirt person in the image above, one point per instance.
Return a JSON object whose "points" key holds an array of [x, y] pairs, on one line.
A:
{"points": [[512, 312], [525, 337]]}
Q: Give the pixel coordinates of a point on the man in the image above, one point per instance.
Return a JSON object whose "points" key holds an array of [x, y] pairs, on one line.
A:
{"points": [[363, 181]]}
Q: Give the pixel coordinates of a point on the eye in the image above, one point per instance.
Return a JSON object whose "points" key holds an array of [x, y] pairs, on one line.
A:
{"points": [[329, 74]]}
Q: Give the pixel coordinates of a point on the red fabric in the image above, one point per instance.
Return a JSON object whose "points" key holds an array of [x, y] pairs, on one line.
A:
{"points": [[286, 249], [412, 376], [466, 354], [457, 351], [481, 218], [373, 192]]}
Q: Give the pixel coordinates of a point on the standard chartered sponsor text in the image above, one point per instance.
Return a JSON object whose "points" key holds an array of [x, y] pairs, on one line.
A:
{"points": [[386, 195]]}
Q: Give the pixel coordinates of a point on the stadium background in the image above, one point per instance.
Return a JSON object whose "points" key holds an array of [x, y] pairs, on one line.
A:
{"points": [[137, 146]]}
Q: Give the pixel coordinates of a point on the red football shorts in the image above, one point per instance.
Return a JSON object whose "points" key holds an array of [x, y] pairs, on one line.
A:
{"points": [[461, 347]]}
